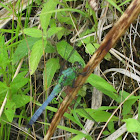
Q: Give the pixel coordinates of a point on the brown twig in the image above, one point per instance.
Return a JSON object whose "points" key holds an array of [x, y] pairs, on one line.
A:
{"points": [[109, 41]]}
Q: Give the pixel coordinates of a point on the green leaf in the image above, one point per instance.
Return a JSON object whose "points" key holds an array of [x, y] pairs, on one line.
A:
{"points": [[80, 136], [4, 61], [73, 131], [9, 110], [82, 91], [52, 66], [53, 31], [6, 7], [69, 116], [3, 90], [20, 100], [106, 132], [44, 16], [97, 115], [103, 116], [33, 32], [18, 82], [64, 18], [115, 5], [63, 32], [90, 49], [102, 85], [49, 48], [7, 31], [37, 52], [73, 119], [124, 95], [22, 49], [127, 106], [132, 125], [107, 56], [68, 9], [65, 50], [125, 2], [111, 127], [107, 107]]}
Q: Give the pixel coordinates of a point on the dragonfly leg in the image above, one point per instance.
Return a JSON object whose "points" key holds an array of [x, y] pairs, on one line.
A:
{"points": [[85, 73], [73, 83]]}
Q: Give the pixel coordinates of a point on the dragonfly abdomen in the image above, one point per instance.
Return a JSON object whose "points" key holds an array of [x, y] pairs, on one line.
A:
{"points": [[39, 111]]}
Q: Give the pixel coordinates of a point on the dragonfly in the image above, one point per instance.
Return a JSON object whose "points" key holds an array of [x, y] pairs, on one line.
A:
{"points": [[66, 78]]}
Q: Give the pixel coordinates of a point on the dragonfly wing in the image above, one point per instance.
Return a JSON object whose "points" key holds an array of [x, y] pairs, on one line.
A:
{"points": [[39, 111]]}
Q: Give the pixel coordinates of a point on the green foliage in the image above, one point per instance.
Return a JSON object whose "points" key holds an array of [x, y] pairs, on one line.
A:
{"points": [[3, 55], [53, 31], [79, 134], [99, 115], [127, 106], [132, 125], [23, 47], [36, 54], [102, 85], [65, 49], [52, 66], [36, 33], [46, 17], [90, 49], [9, 110], [56, 27], [115, 5]]}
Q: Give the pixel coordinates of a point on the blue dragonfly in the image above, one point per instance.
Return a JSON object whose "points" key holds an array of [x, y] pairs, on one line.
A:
{"points": [[66, 78]]}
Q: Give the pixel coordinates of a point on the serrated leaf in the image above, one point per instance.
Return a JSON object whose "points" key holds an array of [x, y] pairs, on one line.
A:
{"points": [[33, 32], [22, 49], [102, 86], [18, 82], [132, 125], [51, 67], [37, 52], [66, 51], [20, 100], [9, 110]]}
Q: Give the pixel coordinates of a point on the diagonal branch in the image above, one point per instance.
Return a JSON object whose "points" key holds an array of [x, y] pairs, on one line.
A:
{"points": [[109, 41]]}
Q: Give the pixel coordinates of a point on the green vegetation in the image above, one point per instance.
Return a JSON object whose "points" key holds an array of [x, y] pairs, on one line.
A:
{"points": [[34, 47]]}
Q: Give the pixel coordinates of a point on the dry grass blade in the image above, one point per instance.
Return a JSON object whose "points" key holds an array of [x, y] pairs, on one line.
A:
{"points": [[6, 16], [109, 41]]}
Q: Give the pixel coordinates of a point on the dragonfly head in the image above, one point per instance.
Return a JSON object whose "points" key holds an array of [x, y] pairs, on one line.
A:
{"points": [[78, 65]]}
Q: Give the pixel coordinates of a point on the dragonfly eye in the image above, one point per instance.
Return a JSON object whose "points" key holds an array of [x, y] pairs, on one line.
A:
{"points": [[76, 63], [79, 65]]}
